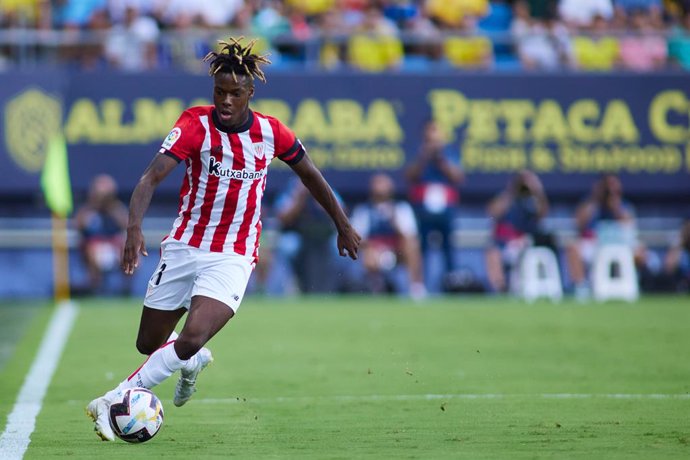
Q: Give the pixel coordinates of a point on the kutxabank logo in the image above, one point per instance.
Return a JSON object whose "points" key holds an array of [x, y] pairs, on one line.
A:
{"points": [[215, 169], [32, 118]]}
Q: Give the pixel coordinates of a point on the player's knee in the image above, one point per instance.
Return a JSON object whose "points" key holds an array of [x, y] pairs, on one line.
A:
{"points": [[145, 347], [187, 345]]}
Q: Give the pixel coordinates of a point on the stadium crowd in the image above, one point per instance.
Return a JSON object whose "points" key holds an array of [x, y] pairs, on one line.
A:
{"points": [[370, 35]]}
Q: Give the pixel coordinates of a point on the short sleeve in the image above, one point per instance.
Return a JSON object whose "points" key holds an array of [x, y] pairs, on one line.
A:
{"points": [[184, 139], [288, 148]]}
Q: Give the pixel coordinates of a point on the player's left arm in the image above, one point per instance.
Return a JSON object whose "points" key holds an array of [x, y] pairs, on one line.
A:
{"points": [[348, 238]]}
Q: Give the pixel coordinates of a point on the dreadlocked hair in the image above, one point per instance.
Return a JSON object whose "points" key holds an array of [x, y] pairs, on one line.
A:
{"points": [[236, 59]]}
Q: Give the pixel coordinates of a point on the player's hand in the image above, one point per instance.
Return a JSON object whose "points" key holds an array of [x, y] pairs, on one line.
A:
{"points": [[348, 242], [134, 246]]}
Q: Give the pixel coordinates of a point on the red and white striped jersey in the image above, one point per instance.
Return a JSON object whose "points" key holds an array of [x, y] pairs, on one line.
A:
{"points": [[220, 197]]}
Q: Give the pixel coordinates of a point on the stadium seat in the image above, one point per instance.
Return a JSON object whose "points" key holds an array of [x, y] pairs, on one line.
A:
{"points": [[538, 275], [497, 26], [499, 18], [613, 274]]}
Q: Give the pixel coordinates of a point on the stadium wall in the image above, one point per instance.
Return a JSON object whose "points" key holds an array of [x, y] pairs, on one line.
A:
{"points": [[567, 127]]}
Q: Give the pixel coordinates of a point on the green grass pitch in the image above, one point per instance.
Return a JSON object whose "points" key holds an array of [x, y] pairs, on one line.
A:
{"points": [[365, 377]]}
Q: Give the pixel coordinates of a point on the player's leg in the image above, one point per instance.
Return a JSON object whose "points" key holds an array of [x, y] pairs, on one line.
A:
{"points": [[206, 317], [156, 327], [169, 289], [217, 294]]}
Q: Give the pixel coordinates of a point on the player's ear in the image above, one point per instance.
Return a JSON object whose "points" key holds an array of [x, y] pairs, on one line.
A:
{"points": [[251, 91]]}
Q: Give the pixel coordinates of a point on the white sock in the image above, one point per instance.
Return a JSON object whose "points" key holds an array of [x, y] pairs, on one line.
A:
{"points": [[158, 367], [191, 362]]}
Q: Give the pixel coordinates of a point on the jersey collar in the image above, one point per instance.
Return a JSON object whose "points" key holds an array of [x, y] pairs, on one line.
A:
{"points": [[240, 129]]}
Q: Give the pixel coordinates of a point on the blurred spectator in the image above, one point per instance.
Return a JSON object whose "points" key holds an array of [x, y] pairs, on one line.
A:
{"points": [[435, 175], [542, 42], [474, 52], [453, 14], [270, 20], [132, 45], [679, 43], [374, 45], [370, 36], [389, 236], [677, 262], [469, 49], [332, 26], [76, 14], [400, 12], [599, 50], [581, 14], [644, 48], [604, 217], [675, 9], [85, 24], [651, 8], [307, 232], [311, 7], [517, 214], [25, 13], [542, 9], [117, 9], [101, 222], [213, 14]]}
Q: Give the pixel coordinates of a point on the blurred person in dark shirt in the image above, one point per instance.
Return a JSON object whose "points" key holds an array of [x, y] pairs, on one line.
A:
{"points": [[517, 214], [434, 177], [101, 223], [605, 217]]}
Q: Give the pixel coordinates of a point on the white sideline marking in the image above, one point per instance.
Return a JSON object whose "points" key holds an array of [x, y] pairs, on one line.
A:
{"points": [[22, 420], [429, 397]]}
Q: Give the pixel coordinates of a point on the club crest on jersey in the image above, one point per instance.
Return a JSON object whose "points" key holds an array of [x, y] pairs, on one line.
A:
{"points": [[215, 168], [172, 137], [259, 149]]}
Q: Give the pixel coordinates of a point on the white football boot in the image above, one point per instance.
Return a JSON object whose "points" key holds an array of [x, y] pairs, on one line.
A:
{"points": [[98, 411], [186, 385]]}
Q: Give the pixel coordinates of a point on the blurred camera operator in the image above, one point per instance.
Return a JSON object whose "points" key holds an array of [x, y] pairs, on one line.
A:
{"points": [[605, 217], [517, 215]]}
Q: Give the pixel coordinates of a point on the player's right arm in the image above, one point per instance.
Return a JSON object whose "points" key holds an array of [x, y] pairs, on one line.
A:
{"points": [[182, 142], [157, 170]]}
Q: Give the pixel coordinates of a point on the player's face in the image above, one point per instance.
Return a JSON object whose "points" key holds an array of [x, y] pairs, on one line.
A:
{"points": [[231, 98]]}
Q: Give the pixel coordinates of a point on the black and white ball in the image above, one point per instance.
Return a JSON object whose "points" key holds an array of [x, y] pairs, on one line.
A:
{"points": [[137, 417]]}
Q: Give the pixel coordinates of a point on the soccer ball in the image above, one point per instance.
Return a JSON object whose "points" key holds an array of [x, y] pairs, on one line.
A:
{"points": [[138, 417]]}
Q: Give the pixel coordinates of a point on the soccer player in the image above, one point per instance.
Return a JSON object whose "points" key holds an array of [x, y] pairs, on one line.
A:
{"points": [[207, 258]]}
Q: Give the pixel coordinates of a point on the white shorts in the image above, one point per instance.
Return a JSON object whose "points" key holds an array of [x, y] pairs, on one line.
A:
{"points": [[185, 271]]}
